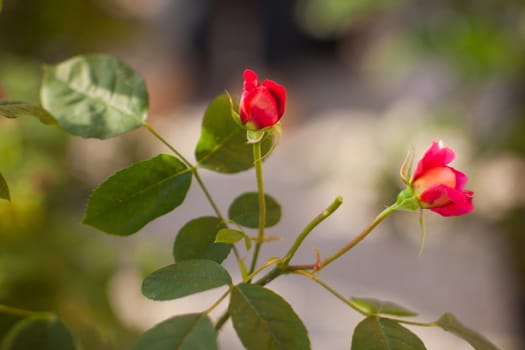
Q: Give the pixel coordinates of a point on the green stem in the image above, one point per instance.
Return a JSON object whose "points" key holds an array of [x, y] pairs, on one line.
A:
{"points": [[383, 215], [257, 158], [222, 320], [197, 176], [192, 167], [311, 225], [347, 301]]}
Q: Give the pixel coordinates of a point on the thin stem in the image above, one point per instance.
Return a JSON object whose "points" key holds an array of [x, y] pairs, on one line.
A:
{"points": [[207, 194], [216, 303], [347, 301], [332, 291], [192, 167], [163, 140], [257, 158], [222, 320], [385, 213], [311, 225]]}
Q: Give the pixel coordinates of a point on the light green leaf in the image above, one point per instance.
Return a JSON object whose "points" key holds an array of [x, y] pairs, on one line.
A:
{"points": [[184, 278], [17, 109], [374, 333], [4, 189], [376, 306], [95, 96], [134, 196], [245, 210], [222, 145], [265, 321], [449, 323], [184, 332], [228, 235], [38, 332], [196, 240]]}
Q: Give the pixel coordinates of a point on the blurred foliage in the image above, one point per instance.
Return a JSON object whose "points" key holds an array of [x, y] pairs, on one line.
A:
{"points": [[48, 262], [51, 28]]}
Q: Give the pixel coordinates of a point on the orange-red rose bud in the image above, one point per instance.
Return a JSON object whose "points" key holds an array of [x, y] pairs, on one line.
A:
{"points": [[439, 187], [261, 105]]}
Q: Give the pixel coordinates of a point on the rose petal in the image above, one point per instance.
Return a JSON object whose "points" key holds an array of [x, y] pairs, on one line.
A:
{"points": [[251, 80], [279, 93], [436, 155]]}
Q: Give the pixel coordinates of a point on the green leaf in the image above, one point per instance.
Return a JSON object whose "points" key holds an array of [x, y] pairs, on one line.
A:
{"points": [[449, 323], [265, 321], [196, 240], [228, 235], [4, 189], [374, 333], [222, 145], [184, 278], [184, 332], [9, 317], [134, 196], [376, 306], [245, 210], [38, 332], [95, 96], [17, 109]]}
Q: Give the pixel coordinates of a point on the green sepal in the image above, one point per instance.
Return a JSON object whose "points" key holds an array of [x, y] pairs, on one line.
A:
{"points": [[254, 136], [407, 200]]}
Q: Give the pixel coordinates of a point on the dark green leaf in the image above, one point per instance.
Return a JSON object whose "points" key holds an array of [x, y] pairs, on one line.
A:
{"points": [[228, 235], [196, 240], [16, 109], [449, 323], [245, 210], [134, 196], [222, 145], [374, 333], [95, 96], [4, 189], [376, 306], [265, 321], [184, 278], [9, 317], [185, 332], [38, 332]]}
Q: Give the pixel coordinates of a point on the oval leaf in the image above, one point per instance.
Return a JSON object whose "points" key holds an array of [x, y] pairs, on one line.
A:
{"points": [[265, 321], [222, 145], [245, 210], [16, 109], [376, 306], [134, 196], [184, 278], [4, 189], [95, 96], [449, 323], [384, 334], [184, 332], [228, 235], [42, 333], [196, 240]]}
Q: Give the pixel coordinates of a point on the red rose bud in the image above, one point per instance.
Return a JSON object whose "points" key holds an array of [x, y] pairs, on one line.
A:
{"points": [[261, 105], [439, 187]]}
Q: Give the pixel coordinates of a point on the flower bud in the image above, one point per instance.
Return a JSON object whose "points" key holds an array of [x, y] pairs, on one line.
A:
{"points": [[261, 105], [439, 187]]}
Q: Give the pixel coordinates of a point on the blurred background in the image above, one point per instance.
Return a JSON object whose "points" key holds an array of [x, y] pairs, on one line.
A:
{"points": [[366, 80]]}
